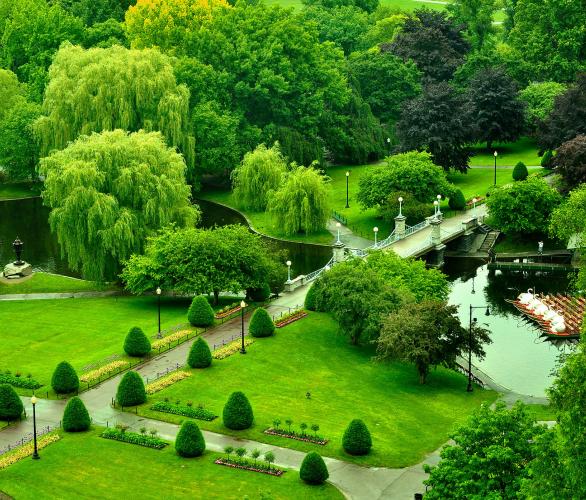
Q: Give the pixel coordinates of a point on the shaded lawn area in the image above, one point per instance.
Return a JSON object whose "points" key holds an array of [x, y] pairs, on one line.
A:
{"points": [[407, 420], [542, 412], [86, 466], [19, 190], [52, 283], [511, 243], [509, 154]]}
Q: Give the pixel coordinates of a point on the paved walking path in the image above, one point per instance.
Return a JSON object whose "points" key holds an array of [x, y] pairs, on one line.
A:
{"points": [[347, 237], [58, 295]]}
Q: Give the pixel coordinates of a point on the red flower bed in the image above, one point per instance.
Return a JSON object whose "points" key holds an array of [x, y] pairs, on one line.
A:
{"points": [[291, 319], [272, 472], [285, 434], [227, 313]]}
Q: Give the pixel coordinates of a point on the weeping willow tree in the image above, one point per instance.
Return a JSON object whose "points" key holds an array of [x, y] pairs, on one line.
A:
{"points": [[108, 192], [115, 88], [260, 173], [301, 203]]}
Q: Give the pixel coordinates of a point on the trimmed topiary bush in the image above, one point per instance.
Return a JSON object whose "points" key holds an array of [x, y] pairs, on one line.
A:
{"points": [[64, 380], [136, 343], [261, 324], [357, 440], [75, 417], [200, 355], [131, 391], [546, 159], [190, 441], [237, 414], [457, 200], [520, 172], [11, 406], [260, 294], [310, 298], [313, 469], [200, 312]]}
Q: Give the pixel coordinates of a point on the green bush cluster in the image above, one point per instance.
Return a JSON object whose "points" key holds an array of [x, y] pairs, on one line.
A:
{"points": [[200, 355], [313, 469], [261, 324], [546, 159], [310, 302], [237, 414], [131, 391], [64, 379], [356, 439], [11, 406], [200, 312], [259, 294], [190, 441], [457, 200], [520, 172], [186, 411], [76, 417], [16, 381], [137, 343], [134, 438]]}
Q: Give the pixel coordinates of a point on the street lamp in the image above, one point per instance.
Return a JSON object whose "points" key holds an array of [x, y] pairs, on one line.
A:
{"points": [[375, 235], [495, 155], [288, 271], [159, 310], [474, 200], [400, 205], [347, 199], [34, 403], [389, 144], [439, 200], [242, 306], [472, 322], [338, 226], [435, 207]]}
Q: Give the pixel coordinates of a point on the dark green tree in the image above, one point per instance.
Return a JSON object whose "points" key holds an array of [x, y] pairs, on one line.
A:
{"points": [[11, 406], [414, 210], [190, 441], [237, 414], [64, 379], [96, 11], [520, 172], [313, 469], [259, 294], [75, 417], [131, 391], [137, 343], [570, 161], [356, 439], [261, 324], [200, 355], [200, 312], [457, 200], [367, 5]]}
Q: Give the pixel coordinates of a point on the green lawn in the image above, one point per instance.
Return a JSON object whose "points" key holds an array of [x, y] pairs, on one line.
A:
{"points": [[512, 243], [542, 412], [86, 466], [407, 420], [509, 154], [18, 190], [48, 283]]}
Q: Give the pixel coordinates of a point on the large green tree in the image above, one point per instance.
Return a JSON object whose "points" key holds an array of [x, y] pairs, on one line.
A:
{"points": [[539, 98], [570, 161], [568, 219], [477, 16], [96, 11], [108, 192]]}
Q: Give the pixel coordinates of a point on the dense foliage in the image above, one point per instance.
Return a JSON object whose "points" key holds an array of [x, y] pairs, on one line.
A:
{"points": [[131, 391], [200, 355], [200, 312], [356, 439], [64, 379], [457, 200], [189, 441], [237, 414], [568, 219], [75, 417], [539, 98], [570, 161], [261, 324], [313, 469], [137, 343], [11, 406]]}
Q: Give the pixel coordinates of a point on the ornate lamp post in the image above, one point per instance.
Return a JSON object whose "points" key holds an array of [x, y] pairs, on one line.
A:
{"points": [[375, 236], [338, 226], [474, 200], [439, 200], [242, 307], [400, 205], [435, 207], [17, 246], [495, 155], [159, 310], [347, 198], [36, 452], [288, 271], [389, 144], [472, 322]]}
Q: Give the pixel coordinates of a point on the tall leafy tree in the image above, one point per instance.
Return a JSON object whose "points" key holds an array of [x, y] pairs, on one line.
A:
{"points": [[568, 219], [477, 16], [96, 11], [570, 161], [108, 192], [539, 98]]}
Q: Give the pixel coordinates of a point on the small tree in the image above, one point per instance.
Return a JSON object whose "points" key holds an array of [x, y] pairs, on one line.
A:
{"points": [[313, 469], [136, 343], [76, 417], [255, 454], [546, 159], [303, 427], [261, 324], [315, 428], [190, 442], [131, 391], [200, 312], [240, 453], [200, 355], [64, 380], [289, 423], [269, 458], [228, 450], [11, 406], [276, 423], [520, 172], [237, 414], [457, 200], [357, 440]]}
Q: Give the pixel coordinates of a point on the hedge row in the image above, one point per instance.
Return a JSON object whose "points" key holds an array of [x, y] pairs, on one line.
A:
{"points": [[186, 411]]}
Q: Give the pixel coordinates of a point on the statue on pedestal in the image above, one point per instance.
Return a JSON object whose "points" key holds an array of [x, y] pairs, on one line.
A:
{"points": [[19, 268]]}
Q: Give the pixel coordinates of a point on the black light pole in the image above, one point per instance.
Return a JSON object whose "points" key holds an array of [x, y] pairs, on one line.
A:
{"points": [[242, 306], [347, 199], [495, 155], [36, 452], [159, 310], [472, 322]]}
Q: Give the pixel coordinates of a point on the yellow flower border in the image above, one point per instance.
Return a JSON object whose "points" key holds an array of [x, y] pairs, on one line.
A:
{"points": [[163, 382], [231, 348], [172, 338], [102, 370], [26, 450]]}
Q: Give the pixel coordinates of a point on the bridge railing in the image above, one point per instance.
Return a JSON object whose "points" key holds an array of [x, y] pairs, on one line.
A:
{"points": [[417, 227], [315, 274]]}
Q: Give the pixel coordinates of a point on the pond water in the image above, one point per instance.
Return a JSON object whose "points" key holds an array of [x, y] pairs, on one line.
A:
{"points": [[519, 358]]}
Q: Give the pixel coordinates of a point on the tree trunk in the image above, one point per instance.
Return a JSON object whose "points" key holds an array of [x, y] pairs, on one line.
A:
{"points": [[489, 145], [216, 297], [422, 374]]}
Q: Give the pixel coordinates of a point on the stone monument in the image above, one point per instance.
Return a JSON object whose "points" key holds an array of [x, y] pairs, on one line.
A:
{"points": [[19, 268]]}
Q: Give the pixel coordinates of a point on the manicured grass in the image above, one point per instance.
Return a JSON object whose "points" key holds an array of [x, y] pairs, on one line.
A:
{"points": [[542, 412], [51, 283], [86, 466], [19, 190], [512, 243], [407, 420], [509, 154]]}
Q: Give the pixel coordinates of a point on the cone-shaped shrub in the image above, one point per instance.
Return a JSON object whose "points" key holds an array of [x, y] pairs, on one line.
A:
{"points": [[200, 312], [11, 406], [131, 391], [357, 440], [310, 298], [457, 200], [259, 294], [261, 324], [64, 380], [199, 354], [313, 469], [520, 172], [137, 343], [546, 159], [237, 413], [75, 417], [190, 441]]}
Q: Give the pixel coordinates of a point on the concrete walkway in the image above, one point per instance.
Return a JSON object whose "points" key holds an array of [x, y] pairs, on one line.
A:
{"points": [[347, 236], [59, 295]]}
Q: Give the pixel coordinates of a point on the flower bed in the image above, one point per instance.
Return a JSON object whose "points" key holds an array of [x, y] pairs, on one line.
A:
{"points": [[98, 373], [290, 318], [27, 450], [248, 466], [293, 435], [184, 410], [169, 339], [134, 438], [24, 382], [231, 348], [227, 311], [166, 381]]}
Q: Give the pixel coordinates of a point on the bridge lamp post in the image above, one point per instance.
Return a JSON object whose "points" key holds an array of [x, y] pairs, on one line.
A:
{"points": [[375, 236], [347, 198], [474, 200], [495, 155], [288, 271], [435, 208], [400, 205], [439, 200], [159, 310], [338, 225], [242, 307], [472, 323]]}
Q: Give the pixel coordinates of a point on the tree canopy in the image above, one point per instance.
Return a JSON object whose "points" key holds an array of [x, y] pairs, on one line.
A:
{"points": [[477, 16], [539, 98], [568, 219]]}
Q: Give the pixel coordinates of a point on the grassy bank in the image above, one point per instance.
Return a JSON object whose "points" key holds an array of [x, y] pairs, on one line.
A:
{"points": [[52, 283], [19, 190]]}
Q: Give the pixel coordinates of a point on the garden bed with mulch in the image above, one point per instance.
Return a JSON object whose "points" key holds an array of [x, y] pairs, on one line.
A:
{"points": [[270, 472], [308, 439], [280, 323]]}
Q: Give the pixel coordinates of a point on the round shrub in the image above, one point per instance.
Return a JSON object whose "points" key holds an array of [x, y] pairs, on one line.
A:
{"points": [[131, 391], [200, 355], [237, 414], [520, 172], [261, 324], [260, 294], [75, 417], [200, 312], [457, 200], [11, 406], [190, 441], [64, 380], [310, 304], [136, 343], [357, 440], [546, 159], [313, 469]]}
